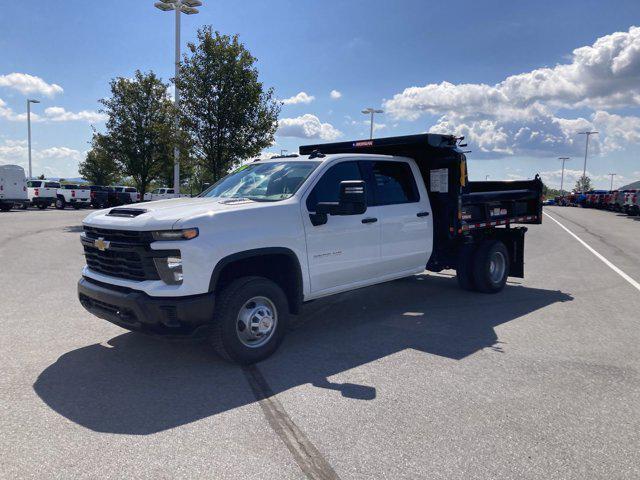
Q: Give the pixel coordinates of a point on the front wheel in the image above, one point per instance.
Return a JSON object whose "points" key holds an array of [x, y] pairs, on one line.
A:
{"points": [[42, 206], [60, 203], [491, 266], [250, 320]]}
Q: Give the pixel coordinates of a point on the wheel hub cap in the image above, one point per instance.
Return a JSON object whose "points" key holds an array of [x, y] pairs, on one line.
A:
{"points": [[257, 321], [497, 267]]}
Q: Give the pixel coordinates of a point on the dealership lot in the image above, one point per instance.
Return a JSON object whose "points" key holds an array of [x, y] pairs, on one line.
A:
{"points": [[411, 379]]}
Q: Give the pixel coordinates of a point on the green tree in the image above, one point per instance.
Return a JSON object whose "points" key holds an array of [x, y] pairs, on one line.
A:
{"points": [[583, 184], [41, 177], [225, 110], [140, 127], [99, 167]]}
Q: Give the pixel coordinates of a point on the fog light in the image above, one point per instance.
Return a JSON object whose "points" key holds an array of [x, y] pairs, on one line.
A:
{"points": [[170, 269]]}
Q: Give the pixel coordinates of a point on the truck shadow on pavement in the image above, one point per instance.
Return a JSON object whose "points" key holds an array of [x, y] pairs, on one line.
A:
{"points": [[138, 385]]}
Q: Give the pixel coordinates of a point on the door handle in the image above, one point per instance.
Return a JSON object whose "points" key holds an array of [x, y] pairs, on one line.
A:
{"points": [[369, 220], [422, 214]]}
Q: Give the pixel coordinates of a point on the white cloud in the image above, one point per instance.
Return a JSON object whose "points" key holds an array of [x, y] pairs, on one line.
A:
{"points": [[376, 126], [617, 130], [53, 114], [519, 114], [301, 97], [59, 114], [335, 94], [29, 84], [307, 126], [52, 161]]}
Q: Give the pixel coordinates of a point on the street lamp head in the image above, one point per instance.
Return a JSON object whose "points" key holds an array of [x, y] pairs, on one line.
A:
{"points": [[189, 10], [192, 3], [31, 100], [165, 7]]}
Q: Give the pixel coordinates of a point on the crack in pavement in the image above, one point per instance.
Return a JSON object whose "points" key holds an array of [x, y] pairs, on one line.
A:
{"points": [[305, 454]]}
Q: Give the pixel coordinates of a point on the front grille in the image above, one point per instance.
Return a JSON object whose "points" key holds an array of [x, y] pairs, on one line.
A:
{"points": [[128, 254]]}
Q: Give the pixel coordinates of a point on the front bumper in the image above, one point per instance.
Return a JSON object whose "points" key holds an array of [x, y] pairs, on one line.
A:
{"points": [[172, 317]]}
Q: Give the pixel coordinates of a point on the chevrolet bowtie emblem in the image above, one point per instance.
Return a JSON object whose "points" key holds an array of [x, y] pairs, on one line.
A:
{"points": [[101, 244]]}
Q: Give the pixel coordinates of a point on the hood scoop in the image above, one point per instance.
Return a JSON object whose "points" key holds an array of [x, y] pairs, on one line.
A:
{"points": [[126, 212]]}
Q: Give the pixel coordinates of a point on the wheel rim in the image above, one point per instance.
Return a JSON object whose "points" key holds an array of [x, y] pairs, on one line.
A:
{"points": [[497, 266], [257, 321]]}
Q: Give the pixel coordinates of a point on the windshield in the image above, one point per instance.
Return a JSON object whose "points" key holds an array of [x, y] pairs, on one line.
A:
{"points": [[263, 182]]}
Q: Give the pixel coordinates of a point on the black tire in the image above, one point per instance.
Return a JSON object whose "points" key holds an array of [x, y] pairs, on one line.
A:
{"points": [[225, 338], [76, 207], [60, 203], [484, 276], [5, 208], [464, 270], [42, 206]]}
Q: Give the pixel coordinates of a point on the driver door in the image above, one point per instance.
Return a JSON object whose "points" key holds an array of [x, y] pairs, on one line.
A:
{"points": [[346, 249]]}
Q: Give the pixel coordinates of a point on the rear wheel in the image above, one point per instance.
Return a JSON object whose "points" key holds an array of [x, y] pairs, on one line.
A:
{"points": [[250, 320], [491, 266], [60, 203], [42, 206], [6, 207]]}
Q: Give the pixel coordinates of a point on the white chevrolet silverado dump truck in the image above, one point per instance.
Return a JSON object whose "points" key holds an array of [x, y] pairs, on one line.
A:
{"points": [[234, 263]]}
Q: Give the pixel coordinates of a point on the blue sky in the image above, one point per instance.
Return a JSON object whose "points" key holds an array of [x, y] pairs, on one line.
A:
{"points": [[505, 74]]}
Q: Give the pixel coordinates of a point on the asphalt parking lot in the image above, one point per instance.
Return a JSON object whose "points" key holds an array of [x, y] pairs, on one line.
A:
{"points": [[411, 379]]}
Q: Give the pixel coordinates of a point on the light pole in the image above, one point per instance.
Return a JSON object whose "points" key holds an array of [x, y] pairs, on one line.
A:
{"points": [[29, 102], [486, 177], [188, 8], [371, 111], [586, 151], [612, 175], [564, 159]]}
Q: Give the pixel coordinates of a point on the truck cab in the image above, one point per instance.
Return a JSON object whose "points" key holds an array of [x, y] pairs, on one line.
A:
{"points": [[232, 264]]}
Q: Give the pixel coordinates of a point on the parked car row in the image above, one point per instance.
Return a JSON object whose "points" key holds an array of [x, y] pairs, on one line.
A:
{"points": [[18, 192], [624, 201]]}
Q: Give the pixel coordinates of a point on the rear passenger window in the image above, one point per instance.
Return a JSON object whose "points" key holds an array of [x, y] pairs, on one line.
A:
{"points": [[169, 191], [33, 184], [328, 188], [394, 183]]}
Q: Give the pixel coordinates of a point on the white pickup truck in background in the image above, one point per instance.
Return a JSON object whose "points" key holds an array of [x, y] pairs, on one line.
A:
{"points": [[132, 191], [42, 193], [13, 187], [163, 194], [73, 195], [232, 264]]}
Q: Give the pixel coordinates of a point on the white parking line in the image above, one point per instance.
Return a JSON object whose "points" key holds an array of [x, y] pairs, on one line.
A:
{"points": [[606, 262]]}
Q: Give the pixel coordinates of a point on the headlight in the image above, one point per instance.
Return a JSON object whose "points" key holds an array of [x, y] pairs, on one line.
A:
{"points": [[170, 269], [168, 235]]}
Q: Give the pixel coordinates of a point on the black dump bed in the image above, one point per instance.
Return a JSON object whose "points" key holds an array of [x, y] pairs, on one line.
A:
{"points": [[459, 206]]}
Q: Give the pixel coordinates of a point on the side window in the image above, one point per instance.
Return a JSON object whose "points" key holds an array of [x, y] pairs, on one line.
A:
{"points": [[328, 187], [170, 190], [394, 183]]}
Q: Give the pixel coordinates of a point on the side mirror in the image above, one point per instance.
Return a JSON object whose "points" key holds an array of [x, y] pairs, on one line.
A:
{"points": [[352, 200]]}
